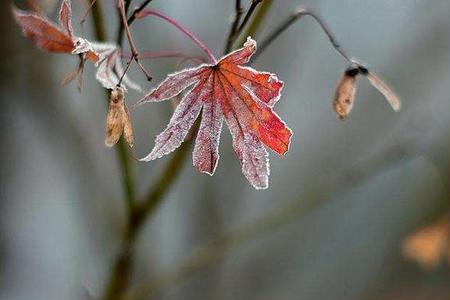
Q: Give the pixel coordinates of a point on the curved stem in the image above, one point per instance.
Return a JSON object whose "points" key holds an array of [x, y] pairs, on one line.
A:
{"points": [[164, 54], [300, 12], [192, 36]]}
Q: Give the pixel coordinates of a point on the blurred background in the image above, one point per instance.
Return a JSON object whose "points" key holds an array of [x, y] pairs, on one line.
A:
{"points": [[332, 224]]}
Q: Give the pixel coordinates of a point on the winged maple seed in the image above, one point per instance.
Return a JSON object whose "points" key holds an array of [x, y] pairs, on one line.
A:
{"points": [[118, 119], [344, 97], [241, 95]]}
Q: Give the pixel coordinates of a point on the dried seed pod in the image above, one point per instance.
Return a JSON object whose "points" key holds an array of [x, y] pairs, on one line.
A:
{"points": [[344, 96], [118, 119], [384, 89]]}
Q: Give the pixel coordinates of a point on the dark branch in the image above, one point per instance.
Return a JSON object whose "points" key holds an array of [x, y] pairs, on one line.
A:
{"points": [[234, 26], [248, 15], [137, 10], [244, 22], [291, 20], [131, 18]]}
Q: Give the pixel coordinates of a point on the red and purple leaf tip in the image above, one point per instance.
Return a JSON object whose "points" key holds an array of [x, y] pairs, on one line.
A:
{"points": [[241, 95]]}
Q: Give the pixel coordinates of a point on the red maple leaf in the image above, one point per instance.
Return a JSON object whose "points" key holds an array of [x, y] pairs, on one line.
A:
{"points": [[49, 37], [243, 96]]}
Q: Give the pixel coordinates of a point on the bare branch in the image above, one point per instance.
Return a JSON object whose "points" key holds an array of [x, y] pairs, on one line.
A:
{"points": [[300, 12]]}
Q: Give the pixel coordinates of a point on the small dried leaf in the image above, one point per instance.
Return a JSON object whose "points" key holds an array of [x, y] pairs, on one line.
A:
{"points": [[384, 89], [50, 37], [115, 118], [42, 32], [344, 96]]}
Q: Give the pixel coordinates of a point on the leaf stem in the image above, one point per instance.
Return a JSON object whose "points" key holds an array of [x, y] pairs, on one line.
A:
{"points": [[300, 12], [187, 32]]}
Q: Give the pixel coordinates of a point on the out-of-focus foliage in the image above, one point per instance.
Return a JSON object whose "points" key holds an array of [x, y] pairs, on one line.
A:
{"points": [[361, 186]]}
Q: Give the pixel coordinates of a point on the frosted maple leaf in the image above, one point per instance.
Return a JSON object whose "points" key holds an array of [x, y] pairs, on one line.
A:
{"points": [[226, 90]]}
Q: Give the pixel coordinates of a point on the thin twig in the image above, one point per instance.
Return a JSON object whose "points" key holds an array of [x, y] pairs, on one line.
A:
{"points": [[134, 52], [234, 26], [256, 21], [187, 32], [131, 18], [121, 27], [241, 27], [248, 15], [137, 10], [300, 12], [165, 54], [83, 18]]}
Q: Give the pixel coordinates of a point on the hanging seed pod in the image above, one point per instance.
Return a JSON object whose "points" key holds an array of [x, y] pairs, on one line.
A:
{"points": [[344, 96], [118, 119]]}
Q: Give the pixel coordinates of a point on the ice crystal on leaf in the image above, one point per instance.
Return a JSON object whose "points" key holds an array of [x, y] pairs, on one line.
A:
{"points": [[226, 90]]}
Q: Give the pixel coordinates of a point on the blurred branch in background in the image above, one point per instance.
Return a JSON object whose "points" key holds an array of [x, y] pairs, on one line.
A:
{"points": [[216, 249]]}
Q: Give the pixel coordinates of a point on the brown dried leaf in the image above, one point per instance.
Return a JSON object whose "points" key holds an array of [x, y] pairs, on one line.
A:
{"points": [[42, 32], [428, 245]]}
